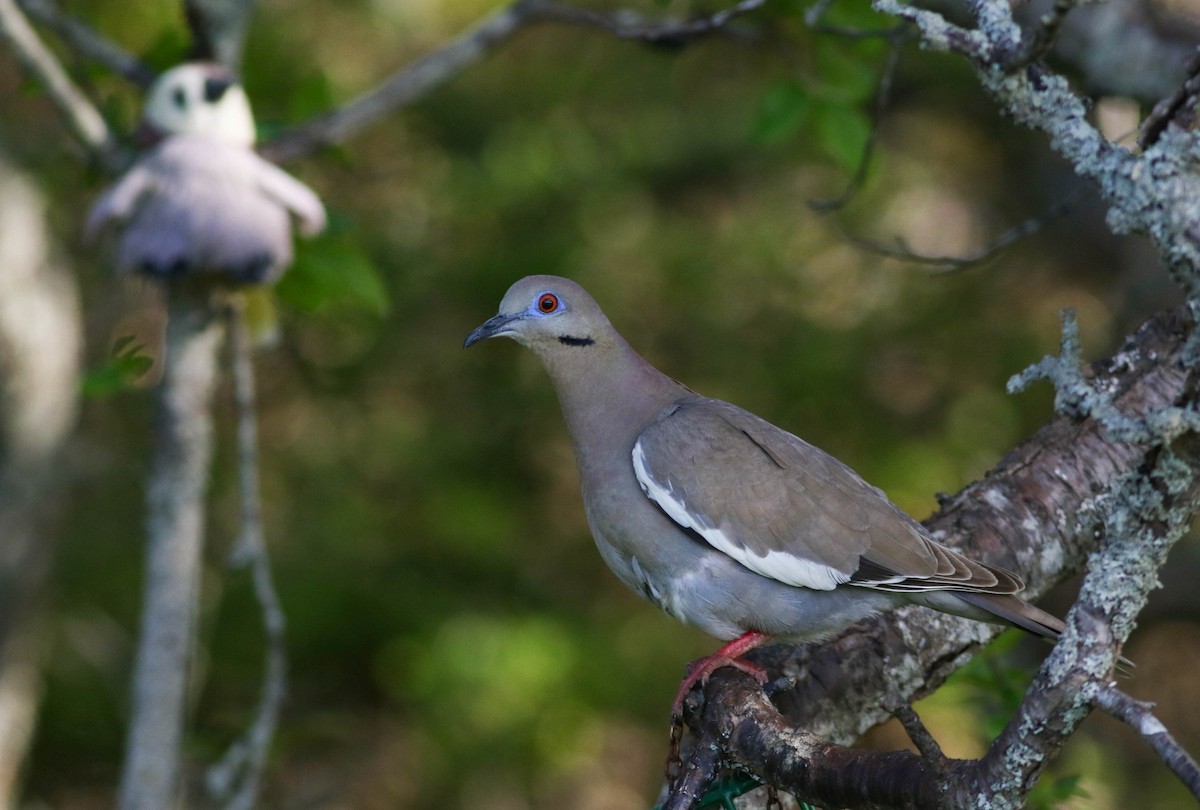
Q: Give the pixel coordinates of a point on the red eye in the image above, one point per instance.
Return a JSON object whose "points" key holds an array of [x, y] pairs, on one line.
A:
{"points": [[548, 302]]}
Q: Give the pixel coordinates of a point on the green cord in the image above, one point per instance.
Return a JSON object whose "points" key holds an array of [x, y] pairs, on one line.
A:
{"points": [[723, 793]]}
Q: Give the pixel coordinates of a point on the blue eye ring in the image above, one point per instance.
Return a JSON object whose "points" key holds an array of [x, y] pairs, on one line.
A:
{"points": [[547, 303]]}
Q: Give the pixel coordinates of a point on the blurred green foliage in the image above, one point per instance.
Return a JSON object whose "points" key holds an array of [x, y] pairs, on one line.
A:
{"points": [[454, 639]]}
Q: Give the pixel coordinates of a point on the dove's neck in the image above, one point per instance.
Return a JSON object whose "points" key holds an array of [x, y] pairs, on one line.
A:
{"points": [[609, 394]]}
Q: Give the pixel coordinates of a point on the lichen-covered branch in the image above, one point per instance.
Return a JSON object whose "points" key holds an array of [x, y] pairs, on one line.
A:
{"points": [[1156, 193], [1039, 512]]}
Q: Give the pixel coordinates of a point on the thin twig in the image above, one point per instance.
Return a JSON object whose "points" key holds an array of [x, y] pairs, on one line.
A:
{"points": [[812, 18], [88, 42], [82, 117], [945, 265], [1043, 39], [883, 96], [625, 25], [1166, 110], [414, 81], [235, 778], [400, 89], [1136, 714], [920, 736]]}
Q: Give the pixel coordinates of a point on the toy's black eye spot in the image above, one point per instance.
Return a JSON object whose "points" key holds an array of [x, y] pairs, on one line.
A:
{"points": [[179, 97], [547, 303]]}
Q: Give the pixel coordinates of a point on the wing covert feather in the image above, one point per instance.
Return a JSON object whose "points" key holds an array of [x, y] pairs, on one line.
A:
{"points": [[787, 509]]}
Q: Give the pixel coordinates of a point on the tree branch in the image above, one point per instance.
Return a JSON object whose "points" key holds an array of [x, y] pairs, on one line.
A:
{"points": [[219, 29], [1137, 716], [1037, 513], [1156, 193], [175, 510], [434, 69], [82, 117], [235, 778], [88, 43], [943, 265]]}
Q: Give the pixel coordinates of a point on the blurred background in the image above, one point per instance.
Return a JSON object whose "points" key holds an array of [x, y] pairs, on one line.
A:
{"points": [[454, 639]]}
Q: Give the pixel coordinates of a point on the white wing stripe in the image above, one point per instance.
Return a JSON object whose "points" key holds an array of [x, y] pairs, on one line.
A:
{"points": [[777, 565]]}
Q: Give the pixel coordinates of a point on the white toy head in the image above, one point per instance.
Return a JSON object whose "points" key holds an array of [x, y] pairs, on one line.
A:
{"points": [[200, 98]]}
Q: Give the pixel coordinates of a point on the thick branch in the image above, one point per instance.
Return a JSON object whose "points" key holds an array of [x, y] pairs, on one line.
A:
{"points": [[175, 527], [1034, 513]]}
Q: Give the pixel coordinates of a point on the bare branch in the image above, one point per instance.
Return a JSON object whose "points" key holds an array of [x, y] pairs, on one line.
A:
{"points": [[414, 81], [1173, 107], [235, 778], [953, 264], [175, 536], [82, 117], [883, 94], [89, 43], [402, 88], [219, 28], [625, 25], [1137, 716]]}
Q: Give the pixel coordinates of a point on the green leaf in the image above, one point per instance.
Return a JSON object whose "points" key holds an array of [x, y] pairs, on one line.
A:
{"points": [[846, 74], [784, 108], [333, 269], [1049, 794], [125, 366], [842, 131], [856, 14], [169, 50]]}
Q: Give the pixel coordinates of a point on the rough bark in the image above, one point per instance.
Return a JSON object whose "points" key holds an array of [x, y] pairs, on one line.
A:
{"points": [[175, 506], [1038, 512]]}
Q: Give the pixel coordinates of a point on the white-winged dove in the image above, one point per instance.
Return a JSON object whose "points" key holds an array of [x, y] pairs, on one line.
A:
{"points": [[201, 201], [723, 520]]}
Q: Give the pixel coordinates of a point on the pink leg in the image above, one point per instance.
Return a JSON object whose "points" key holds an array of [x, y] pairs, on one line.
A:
{"points": [[728, 656]]}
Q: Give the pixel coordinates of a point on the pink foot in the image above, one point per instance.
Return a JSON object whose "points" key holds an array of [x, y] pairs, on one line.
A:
{"points": [[728, 656], [698, 672]]}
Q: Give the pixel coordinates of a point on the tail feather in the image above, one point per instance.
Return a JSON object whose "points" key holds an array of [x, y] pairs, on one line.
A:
{"points": [[1026, 616]]}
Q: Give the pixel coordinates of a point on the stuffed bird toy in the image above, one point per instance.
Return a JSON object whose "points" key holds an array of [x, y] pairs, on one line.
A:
{"points": [[201, 202]]}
